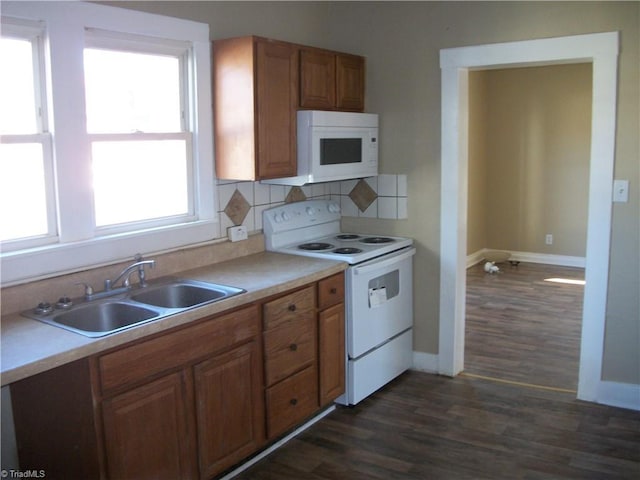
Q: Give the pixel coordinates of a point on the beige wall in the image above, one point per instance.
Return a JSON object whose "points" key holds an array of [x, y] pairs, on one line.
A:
{"points": [[529, 159], [402, 41]]}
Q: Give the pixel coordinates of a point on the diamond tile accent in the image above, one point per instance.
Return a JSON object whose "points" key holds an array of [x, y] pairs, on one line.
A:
{"points": [[237, 208], [363, 195], [295, 195]]}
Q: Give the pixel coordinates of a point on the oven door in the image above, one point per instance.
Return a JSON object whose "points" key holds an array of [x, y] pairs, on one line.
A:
{"points": [[379, 301]]}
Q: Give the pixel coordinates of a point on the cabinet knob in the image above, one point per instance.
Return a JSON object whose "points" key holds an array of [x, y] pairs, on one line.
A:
{"points": [[293, 347], [293, 401], [292, 307], [333, 291]]}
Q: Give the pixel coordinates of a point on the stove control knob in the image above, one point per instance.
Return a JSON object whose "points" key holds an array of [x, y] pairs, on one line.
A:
{"points": [[276, 218], [310, 211], [285, 217], [333, 208]]}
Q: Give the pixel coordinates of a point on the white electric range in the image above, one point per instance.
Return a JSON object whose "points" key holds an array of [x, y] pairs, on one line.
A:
{"points": [[378, 288]]}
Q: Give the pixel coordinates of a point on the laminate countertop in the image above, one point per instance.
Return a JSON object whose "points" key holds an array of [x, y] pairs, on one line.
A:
{"points": [[29, 347]]}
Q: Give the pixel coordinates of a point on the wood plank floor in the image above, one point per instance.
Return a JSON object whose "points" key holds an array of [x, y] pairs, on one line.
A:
{"points": [[522, 328], [422, 426]]}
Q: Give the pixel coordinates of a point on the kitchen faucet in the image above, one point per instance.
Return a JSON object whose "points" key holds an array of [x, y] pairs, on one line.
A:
{"points": [[110, 285]]}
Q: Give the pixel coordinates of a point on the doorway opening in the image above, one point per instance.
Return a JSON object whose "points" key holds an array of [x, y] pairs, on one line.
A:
{"points": [[601, 50], [528, 174]]}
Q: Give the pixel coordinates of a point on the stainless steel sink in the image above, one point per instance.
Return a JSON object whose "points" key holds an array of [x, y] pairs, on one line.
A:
{"points": [[100, 318], [184, 294], [96, 318]]}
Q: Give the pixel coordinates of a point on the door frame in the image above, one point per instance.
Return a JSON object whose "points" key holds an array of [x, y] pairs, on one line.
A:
{"points": [[601, 50]]}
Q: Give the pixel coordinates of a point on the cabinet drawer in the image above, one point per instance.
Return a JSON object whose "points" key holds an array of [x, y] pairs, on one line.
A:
{"points": [[131, 364], [285, 309], [331, 291], [290, 347], [291, 401]]}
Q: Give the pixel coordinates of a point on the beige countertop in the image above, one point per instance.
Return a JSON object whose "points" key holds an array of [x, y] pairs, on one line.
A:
{"points": [[29, 347]]}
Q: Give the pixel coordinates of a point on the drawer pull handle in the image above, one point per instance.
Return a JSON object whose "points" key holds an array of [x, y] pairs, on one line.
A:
{"points": [[293, 347], [292, 307], [333, 291], [293, 401]]}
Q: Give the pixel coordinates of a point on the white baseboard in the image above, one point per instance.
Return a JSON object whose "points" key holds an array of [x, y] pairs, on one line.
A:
{"points": [[616, 394], [531, 257], [425, 362]]}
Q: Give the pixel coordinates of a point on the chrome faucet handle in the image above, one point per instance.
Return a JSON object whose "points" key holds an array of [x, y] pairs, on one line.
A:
{"points": [[88, 289]]}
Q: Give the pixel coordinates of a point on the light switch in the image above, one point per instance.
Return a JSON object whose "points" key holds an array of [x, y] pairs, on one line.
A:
{"points": [[621, 191]]}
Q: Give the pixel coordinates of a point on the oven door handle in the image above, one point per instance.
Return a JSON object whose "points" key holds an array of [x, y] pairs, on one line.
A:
{"points": [[388, 260]]}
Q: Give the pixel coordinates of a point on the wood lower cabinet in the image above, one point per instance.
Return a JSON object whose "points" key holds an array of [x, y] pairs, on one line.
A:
{"points": [[229, 408], [304, 347], [331, 353], [191, 402], [148, 431]]}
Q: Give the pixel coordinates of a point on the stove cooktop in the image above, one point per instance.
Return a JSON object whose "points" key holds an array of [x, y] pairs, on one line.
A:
{"points": [[312, 228], [349, 247]]}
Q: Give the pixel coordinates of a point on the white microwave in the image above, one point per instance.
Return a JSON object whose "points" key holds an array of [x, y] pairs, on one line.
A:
{"points": [[334, 146]]}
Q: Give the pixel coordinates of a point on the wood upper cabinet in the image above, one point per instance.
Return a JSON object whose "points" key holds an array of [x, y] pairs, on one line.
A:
{"points": [[331, 80], [255, 92]]}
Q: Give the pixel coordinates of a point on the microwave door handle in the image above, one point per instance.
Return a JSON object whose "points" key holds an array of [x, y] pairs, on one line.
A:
{"points": [[377, 265]]}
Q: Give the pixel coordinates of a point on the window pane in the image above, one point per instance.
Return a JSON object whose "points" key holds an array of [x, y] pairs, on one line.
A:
{"points": [[17, 92], [23, 206], [139, 180], [131, 92]]}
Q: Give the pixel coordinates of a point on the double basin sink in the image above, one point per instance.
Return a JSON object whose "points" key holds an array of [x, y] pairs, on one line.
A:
{"points": [[97, 318]]}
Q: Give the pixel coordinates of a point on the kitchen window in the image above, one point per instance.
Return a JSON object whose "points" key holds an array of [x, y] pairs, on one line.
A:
{"points": [[107, 143]]}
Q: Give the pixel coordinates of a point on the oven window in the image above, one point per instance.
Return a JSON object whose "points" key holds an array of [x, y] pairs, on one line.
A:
{"points": [[339, 151]]}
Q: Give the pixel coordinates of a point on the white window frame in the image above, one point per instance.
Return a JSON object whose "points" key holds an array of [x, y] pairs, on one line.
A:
{"points": [[33, 32], [66, 25]]}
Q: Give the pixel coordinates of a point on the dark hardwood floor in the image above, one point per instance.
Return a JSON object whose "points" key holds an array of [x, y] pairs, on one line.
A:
{"points": [[423, 426], [522, 328]]}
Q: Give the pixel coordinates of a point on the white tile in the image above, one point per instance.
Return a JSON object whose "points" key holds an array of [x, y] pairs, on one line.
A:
{"points": [[387, 207], [257, 215], [373, 183], [319, 190], [334, 188], [387, 186], [402, 186], [346, 186], [349, 209], [249, 221], [246, 189], [261, 193], [306, 189], [371, 211], [224, 195], [403, 208], [278, 193], [225, 222]]}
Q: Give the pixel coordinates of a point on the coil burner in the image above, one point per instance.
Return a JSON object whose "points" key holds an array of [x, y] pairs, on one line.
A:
{"points": [[347, 250], [316, 246], [377, 240]]}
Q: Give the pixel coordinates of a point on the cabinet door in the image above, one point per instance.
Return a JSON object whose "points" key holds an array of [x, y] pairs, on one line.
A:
{"points": [[229, 408], [277, 100], [331, 353], [147, 431], [317, 79], [350, 82]]}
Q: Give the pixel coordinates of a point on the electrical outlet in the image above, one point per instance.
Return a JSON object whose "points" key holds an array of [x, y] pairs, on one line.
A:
{"points": [[235, 234], [548, 239]]}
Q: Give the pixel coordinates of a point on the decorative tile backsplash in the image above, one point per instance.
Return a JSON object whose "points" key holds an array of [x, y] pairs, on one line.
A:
{"points": [[242, 203]]}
